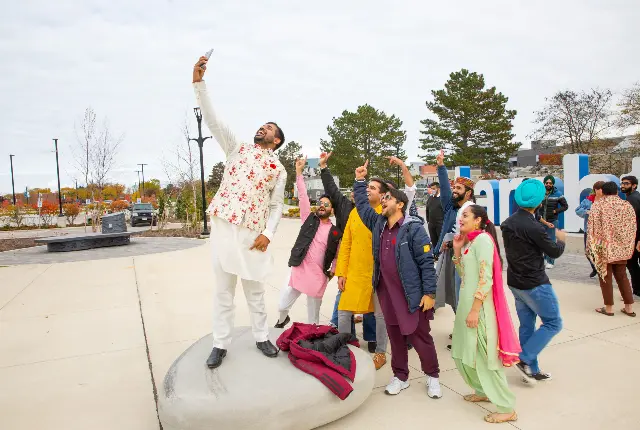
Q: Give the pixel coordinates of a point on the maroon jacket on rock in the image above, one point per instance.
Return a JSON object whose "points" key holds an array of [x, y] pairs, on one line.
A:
{"points": [[322, 352]]}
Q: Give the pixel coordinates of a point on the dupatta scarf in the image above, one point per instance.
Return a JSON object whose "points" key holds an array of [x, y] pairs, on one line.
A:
{"points": [[508, 344]]}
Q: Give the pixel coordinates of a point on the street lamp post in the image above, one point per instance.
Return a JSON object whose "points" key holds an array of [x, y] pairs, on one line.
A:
{"points": [[200, 140], [13, 186], [58, 172], [142, 164], [138, 172]]}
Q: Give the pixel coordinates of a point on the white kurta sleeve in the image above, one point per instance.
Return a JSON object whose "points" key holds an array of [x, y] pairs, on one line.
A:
{"points": [[275, 206], [411, 194], [220, 131]]}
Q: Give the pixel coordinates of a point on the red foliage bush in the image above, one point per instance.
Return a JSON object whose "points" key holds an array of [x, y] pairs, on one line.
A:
{"points": [[119, 205]]}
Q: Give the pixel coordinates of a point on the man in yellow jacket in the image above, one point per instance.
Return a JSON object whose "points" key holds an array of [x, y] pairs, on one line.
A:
{"points": [[354, 269]]}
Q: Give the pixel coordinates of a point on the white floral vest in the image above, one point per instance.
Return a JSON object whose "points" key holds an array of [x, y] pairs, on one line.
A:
{"points": [[250, 175]]}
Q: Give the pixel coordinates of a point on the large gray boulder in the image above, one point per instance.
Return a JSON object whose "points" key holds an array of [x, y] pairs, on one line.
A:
{"points": [[114, 223], [251, 391]]}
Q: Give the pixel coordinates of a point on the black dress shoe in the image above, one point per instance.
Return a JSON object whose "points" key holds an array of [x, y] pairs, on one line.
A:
{"points": [[593, 274], [409, 346], [267, 348], [372, 347], [283, 323], [215, 359]]}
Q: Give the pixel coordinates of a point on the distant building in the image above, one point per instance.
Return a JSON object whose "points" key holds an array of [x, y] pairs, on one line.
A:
{"points": [[312, 180]]}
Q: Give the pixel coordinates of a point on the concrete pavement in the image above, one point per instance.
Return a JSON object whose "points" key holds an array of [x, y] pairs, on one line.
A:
{"points": [[78, 339]]}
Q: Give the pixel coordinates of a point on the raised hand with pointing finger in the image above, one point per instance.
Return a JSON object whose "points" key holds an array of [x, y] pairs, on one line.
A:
{"points": [[361, 172], [324, 157], [300, 163], [440, 158]]}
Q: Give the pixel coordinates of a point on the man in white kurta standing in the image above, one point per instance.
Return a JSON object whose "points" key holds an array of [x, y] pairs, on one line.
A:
{"points": [[245, 213]]}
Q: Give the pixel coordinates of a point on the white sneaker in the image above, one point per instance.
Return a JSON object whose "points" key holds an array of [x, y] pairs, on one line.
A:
{"points": [[433, 388], [549, 266], [395, 386]]}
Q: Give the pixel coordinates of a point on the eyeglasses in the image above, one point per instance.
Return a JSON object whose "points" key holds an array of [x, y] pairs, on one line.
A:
{"points": [[325, 204], [386, 197], [625, 183]]}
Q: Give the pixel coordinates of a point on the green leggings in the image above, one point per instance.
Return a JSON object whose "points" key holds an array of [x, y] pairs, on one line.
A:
{"points": [[489, 383]]}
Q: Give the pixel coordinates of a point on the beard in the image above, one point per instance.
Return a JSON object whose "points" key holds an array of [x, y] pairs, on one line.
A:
{"points": [[457, 198], [258, 139], [324, 214], [548, 188]]}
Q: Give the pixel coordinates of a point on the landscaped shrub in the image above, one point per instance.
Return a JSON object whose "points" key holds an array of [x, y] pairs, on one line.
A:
{"points": [[71, 212], [48, 212], [119, 205]]}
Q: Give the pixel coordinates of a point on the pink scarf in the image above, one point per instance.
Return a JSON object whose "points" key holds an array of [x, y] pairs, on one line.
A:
{"points": [[508, 343]]}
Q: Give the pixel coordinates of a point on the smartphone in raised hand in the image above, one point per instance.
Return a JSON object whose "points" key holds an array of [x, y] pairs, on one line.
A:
{"points": [[208, 53]]}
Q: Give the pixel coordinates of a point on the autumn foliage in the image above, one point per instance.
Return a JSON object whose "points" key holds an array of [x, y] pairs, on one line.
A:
{"points": [[550, 159], [119, 206], [71, 211]]}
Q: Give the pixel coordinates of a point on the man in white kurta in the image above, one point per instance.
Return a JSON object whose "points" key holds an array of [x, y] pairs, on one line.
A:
{"points": [[245, 213]]}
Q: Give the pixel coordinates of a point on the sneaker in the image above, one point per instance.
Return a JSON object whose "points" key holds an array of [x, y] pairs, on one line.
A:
{"points": [[525, 370], [395, 386], [379, 360], [433, 388], [541, 376], [549, 266]]}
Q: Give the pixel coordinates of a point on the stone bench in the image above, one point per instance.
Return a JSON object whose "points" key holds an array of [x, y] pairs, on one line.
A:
{"points": [[85, 241]]}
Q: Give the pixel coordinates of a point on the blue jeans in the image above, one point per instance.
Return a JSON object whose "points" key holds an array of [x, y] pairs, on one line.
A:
{"points": [[539, 301], [552, 234], [368, 322]]}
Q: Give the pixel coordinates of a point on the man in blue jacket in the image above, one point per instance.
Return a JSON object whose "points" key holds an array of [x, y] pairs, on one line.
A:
{"points": [[404, 280]]}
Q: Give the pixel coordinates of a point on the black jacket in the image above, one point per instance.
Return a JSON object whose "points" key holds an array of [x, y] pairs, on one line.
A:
{"points": [[634, 199], [305, 237], [434, 211], [553, 201], [342, 205], [525, 242]]}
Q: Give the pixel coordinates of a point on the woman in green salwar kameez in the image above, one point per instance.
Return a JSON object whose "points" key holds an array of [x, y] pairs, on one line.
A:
{"points": [[475, 348]]}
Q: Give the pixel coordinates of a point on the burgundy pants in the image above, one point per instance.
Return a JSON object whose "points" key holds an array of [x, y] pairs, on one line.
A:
{"points": [[619, 271], [422, 342]]}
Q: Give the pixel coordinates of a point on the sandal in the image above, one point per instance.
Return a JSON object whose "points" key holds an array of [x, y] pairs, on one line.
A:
{"points": [[629, 314], [603, 311], [491, 418], [474, 398]]}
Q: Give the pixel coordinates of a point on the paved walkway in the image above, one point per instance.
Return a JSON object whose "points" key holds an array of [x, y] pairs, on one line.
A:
{"points": [[77, 340]]}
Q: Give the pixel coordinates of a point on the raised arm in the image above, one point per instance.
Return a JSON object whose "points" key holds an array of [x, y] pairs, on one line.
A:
{"points": [[220, 131], [342, 206], [409, 184], [303, 197], [445, 186], [368, 216]]}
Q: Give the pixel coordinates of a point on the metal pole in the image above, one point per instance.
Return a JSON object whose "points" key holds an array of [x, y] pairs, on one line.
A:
{"points": [[142, 164], [58, 172], [13, 187], [138, 172], [200, 140]]}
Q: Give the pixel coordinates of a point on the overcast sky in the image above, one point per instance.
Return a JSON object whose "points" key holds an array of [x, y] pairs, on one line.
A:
{"points": [[297, 63]]}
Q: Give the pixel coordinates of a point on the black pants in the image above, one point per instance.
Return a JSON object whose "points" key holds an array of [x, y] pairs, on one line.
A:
{"points": [[434, 233], [633, 265]]}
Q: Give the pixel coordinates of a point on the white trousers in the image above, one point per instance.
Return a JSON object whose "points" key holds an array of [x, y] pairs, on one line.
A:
{"points": [[288, 297], [224, 308]]}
